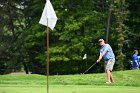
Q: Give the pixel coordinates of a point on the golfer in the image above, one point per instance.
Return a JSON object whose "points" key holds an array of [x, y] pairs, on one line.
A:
{"points": [[107, 54]]}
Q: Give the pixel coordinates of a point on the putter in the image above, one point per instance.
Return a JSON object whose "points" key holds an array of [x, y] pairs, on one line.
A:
{"points": [[90, 67]]}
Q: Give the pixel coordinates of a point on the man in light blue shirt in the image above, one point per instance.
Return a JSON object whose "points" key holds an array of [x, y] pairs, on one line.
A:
{"points": [[107, 54]]}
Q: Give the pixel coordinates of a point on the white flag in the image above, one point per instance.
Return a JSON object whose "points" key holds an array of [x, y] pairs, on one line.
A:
{"points": [[48, 14], [85, 56]]}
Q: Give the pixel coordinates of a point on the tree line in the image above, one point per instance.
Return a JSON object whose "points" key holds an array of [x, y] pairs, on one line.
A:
{"points": [[80, 24]]}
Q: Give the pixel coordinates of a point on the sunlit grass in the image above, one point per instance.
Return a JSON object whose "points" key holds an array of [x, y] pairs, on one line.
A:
{"points": [[125, 82], [70, 89], [122, 78]]}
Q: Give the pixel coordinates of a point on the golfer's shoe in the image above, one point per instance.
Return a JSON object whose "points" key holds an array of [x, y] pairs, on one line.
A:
{"points": [[108, 82]]}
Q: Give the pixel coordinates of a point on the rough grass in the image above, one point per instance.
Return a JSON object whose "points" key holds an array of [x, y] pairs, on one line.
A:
{"points": [[122, 78], [125, 82]]}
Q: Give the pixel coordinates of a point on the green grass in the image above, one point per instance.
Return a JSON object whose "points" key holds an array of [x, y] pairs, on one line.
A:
{"points": [[125, 82], [70, 89], [122, 78]]}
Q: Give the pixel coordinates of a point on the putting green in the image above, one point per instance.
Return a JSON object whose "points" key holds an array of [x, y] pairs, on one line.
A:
{"points": [[69, 89]]}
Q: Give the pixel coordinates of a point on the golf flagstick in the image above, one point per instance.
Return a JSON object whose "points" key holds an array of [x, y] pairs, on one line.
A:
{"points": [[49, 19], [90, 67]]}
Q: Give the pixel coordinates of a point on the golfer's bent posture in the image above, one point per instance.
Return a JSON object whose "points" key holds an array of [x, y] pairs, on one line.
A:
{"points": [[107, 54]]}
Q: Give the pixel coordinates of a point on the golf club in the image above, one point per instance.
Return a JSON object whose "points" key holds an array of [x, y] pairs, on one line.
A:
{"points": [[90, 67]]}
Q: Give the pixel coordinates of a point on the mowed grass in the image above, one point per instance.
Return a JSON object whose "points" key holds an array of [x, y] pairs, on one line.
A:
{"points": [[70, 89], [125, 82]]}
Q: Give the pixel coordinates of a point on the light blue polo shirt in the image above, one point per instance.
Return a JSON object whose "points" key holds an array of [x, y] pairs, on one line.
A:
{"points": [[109, 54]]}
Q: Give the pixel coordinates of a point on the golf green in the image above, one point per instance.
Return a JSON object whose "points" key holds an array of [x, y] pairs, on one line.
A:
{"points": [[69, 89]]}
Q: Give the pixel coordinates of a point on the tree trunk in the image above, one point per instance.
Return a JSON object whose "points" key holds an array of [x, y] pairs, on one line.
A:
{"points": [[25, 68]]}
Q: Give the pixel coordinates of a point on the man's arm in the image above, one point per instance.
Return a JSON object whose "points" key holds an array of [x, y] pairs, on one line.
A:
{"points": [[136, 62], [101, 55]]}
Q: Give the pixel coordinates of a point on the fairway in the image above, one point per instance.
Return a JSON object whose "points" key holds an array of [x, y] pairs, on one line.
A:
{"points": [[126, 82], [69, 89]]}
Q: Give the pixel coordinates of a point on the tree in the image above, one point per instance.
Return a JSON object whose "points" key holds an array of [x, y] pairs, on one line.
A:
{"points": [[80, 24], [12, 27]]}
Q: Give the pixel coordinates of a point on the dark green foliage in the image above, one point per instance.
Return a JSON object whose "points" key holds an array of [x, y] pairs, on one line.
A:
{"points": [[11, 39], [120, 14], [80, 24]]}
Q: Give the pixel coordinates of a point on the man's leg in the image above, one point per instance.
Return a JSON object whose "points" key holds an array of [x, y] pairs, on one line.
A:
{"points": [[108, 76], [111, 78], [109, 68]]}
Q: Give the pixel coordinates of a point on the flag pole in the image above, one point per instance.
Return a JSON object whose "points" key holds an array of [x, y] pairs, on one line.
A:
{"points": [[47, 31], [49, 19]]}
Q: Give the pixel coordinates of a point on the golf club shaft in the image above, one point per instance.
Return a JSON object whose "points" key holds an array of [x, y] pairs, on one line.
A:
{"points": [[90, 67]]}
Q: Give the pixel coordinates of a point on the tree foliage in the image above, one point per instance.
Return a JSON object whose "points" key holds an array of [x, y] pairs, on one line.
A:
{"points": [[80, 24]]}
